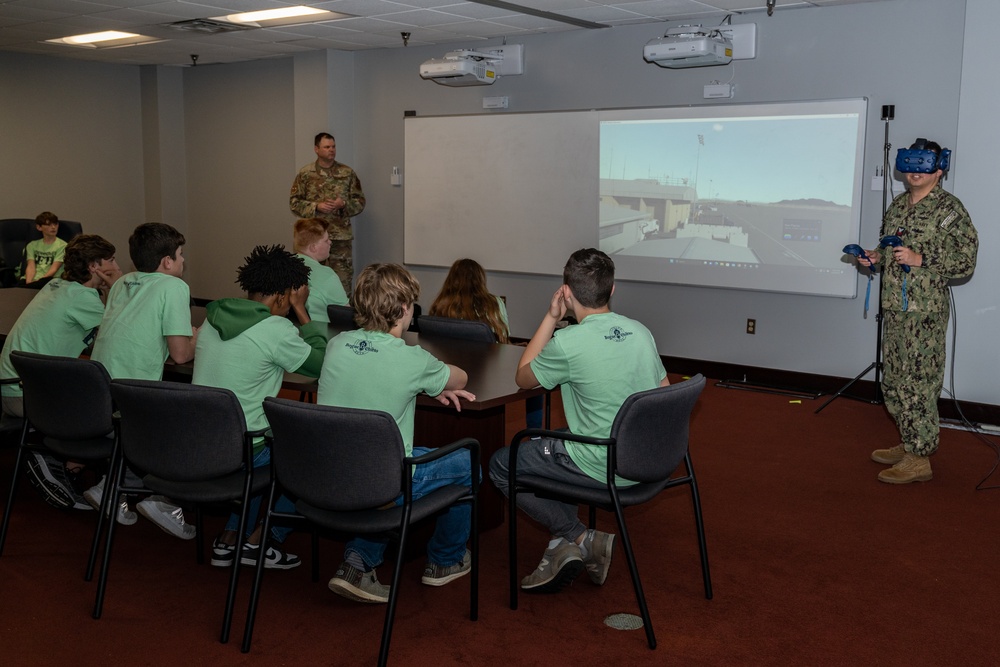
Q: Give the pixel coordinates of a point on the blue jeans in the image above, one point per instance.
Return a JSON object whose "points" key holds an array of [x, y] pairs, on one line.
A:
{"points": [[447, 546], [262, 460]]}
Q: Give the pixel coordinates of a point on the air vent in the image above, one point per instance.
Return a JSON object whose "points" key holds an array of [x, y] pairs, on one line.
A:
{"points": [[208, 26]]}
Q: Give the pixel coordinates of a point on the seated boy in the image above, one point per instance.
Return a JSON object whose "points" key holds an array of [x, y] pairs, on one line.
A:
{"points": [[45, 255], [147, 319], [598, 363], [60, 321], [312, 243], [246, 346], [373, 368]]}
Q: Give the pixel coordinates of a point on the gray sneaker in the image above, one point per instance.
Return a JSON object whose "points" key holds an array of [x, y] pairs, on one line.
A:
{"points": [[439, 575], [557, 570], [600, 547], [167, 516], [124, 515], [353, 584]]}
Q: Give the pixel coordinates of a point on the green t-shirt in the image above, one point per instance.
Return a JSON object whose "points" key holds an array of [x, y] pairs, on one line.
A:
{"points": [[377, 371], [251, 364], [325, 288], [143, 309], [59, 321], [598, 364], [45, 255]]}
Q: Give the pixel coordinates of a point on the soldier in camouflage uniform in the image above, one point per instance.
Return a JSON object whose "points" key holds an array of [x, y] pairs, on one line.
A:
{"points": [[331, 191], [939, 244]]}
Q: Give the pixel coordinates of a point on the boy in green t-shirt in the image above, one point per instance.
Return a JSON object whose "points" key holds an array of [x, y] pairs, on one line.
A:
{"points": [[147, 319], [373, 368], [60, 321], [597, 364], [312, 243], [247, 346], [45, 255]]}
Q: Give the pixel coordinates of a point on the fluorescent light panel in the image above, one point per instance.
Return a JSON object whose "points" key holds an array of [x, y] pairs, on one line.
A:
{"points": [[105, 39], [283, 15]]}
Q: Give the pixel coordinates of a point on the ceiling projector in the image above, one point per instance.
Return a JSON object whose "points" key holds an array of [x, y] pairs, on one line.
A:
{"points": [[689, 46], [462, 68]]}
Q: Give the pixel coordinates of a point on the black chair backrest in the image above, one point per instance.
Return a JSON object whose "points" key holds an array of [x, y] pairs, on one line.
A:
{"points": [[15, 233], [455, 328], [651, 430], [65, 398], [340, 459], [178, 431], [341, 317]]}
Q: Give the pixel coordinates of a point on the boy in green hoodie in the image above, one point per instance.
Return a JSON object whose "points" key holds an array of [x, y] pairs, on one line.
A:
{"points": [[246, 346]]}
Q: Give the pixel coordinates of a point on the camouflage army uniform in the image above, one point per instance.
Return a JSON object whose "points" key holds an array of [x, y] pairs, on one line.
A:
{"points": [[913, 342], [312, 185]]}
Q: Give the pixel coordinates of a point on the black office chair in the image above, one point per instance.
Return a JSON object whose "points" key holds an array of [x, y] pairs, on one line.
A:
{"points": [[341, 317], [67, 402], [15, 234], [454, 328], [192, 444], [345, 466], [649, 439]]}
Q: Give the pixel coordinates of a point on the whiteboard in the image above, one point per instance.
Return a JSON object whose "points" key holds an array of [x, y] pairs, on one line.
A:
{"points": [[515, 192]]}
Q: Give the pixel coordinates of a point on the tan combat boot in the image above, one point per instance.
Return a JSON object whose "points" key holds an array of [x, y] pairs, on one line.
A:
{"points": [[890, 456], [912, 468]]}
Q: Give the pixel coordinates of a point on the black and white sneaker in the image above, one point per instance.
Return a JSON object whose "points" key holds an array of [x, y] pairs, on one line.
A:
{"points": [[275, 559], [49, 476], [223, 554]]}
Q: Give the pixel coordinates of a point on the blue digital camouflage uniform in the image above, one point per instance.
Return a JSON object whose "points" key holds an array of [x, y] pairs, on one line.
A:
{"points": [[913, 342], [314, 184]]}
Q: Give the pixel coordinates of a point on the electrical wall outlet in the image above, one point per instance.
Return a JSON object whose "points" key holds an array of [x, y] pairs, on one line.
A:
{"points": [[751, 326]]}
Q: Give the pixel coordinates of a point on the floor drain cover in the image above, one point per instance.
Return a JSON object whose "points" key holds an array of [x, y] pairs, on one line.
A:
{"points": [[623, 621]]}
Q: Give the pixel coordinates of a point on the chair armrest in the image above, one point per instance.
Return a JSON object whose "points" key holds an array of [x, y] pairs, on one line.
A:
{"points": [[465, 443], [560, 435], [11, 381]]}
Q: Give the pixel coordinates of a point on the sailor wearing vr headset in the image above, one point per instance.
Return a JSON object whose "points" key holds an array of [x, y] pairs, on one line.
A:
{"points": [[935, 238]]}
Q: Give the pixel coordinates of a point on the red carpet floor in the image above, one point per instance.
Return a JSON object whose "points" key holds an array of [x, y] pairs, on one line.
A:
{"points": [[814, 562]]}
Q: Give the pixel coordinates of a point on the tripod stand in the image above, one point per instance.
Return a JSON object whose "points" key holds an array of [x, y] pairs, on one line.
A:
{"points": [[888, 113]]}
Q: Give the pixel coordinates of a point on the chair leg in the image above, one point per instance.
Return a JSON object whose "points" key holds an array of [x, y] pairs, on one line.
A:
{"points": [[199, 537], [234, 576], [10, 496], [265, 533], [110, 499], [474, 584], [397, 572], [592, 517], [101, 514], [512, 545], [314, 551], [633, 569], [700, 525]]}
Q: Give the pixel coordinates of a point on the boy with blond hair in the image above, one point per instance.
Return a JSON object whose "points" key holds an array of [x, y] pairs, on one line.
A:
{"points": [[394, 373]]}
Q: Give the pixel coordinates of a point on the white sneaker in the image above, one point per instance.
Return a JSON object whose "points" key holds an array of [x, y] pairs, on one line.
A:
{"points": [[95, 494], [166, 515]]}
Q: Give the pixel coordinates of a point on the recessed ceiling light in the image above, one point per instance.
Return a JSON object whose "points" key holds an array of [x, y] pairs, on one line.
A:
{"points": [[105, 39], [279, 14]]}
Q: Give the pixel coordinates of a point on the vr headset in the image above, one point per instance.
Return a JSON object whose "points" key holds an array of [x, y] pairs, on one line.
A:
{"points": [[920, 160]]}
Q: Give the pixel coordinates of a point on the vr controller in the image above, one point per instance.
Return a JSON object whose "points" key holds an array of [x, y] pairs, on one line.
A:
{"points": [[919, 160], [857, 251], [893, 241]]}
